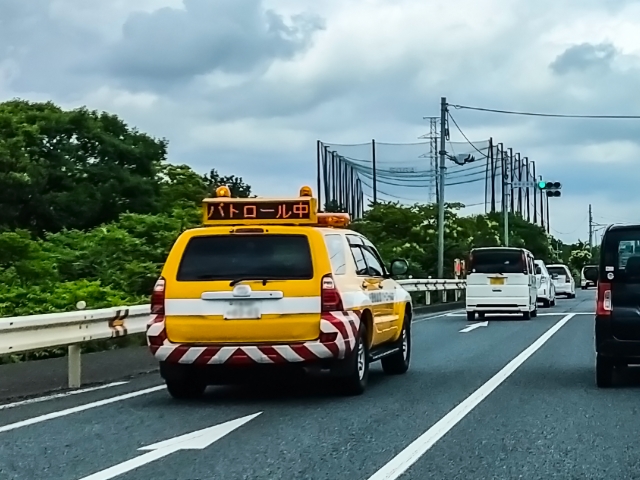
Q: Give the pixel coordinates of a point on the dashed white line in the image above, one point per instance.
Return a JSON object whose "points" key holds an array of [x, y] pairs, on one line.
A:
{"points": [[407, 457], [59, 395], [79, 408]]}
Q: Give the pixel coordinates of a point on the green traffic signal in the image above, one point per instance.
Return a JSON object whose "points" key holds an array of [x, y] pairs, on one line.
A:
{"points": [[542, 185]]}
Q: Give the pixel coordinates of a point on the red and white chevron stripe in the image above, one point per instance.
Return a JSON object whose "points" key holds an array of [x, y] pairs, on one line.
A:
{"points": [[338, 332]]}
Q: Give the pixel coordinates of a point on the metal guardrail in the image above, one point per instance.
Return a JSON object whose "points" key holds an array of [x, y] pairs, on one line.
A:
{"points": [[432, 284], [71, 329]]}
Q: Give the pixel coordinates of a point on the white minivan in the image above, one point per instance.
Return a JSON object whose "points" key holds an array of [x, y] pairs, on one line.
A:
{"points": [[501, 280]]}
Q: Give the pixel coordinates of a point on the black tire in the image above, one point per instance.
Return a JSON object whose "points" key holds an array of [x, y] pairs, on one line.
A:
{"points": [[546, 303], [481, 315], [186, 389], [526, 315], [604, 372], [534, 314], [354, 377], [552, 303], [471, 316], [584, 288], [398, 363], [572, 295]]}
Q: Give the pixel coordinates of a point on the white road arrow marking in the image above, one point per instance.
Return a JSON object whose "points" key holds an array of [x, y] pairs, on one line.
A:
{"points": [[198, 440], [474, 326]]}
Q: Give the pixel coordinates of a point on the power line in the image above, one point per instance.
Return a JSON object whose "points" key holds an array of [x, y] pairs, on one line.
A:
{"points": [[465, 137], [534, 114]]}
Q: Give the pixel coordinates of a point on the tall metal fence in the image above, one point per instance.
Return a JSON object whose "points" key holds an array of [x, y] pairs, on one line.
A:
{"points": [[350, 176]]}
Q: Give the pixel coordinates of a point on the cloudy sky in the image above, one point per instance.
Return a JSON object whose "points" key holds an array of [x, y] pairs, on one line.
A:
{"points": [[249, 86]]}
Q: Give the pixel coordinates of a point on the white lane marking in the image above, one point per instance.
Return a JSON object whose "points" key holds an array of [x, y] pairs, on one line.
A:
{"points": [[79, 408], [431, 317], [474, 326], [198, 440], [29, 401], [515, 315], [407, 457]]}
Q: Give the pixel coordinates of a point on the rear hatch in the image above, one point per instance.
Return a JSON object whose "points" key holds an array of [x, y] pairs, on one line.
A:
{"points": [[622, 276], [559, 276], [260, 285], [590, 274], [497, 272]]}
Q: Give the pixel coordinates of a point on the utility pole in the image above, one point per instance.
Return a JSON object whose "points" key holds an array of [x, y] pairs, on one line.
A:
{"points": [[506, 185], [441, 175], [590, 230]]}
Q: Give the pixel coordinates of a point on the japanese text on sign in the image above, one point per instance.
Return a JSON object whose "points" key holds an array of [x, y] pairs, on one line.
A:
{"points": [[274, 210]]}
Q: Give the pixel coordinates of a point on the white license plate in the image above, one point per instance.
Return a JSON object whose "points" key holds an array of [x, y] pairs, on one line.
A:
{"points": [[242, 310]]}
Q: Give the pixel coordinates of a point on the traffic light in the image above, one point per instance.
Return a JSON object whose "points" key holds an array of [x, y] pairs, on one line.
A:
{"points": [[552, 188]]}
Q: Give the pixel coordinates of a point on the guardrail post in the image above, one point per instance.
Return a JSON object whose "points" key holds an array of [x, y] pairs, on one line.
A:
{"points": [[75, 366], [427, 298], [444, 296], [74, 352], [457, 294]]}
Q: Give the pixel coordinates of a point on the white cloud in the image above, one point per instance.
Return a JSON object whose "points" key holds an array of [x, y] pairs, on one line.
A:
{"points": [[253, 102]]}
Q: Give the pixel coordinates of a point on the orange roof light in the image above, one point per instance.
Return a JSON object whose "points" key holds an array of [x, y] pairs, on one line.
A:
{"points": [[335, 220], [223, 191], [306, 192]]}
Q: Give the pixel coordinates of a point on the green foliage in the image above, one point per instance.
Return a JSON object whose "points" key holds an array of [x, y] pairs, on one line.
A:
{"points": [[89, 208], [72, 169]]}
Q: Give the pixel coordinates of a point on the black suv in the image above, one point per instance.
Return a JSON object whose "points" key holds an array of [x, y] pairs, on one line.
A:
{"points": [[617, 333]]}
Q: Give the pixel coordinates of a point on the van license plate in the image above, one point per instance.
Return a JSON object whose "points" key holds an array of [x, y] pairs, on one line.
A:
{"points": [[496, 281], [242, 310]]}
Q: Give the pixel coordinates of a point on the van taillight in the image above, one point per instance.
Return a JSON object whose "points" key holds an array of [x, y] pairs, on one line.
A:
{"points": [[525, 264], [603, 302], [157, 297], [330, 297]]}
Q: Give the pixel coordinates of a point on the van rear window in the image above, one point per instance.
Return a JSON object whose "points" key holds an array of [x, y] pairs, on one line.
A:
{"points": [[233, 257], [590, 273], [621, 255], [557, 271], [497, 261]]}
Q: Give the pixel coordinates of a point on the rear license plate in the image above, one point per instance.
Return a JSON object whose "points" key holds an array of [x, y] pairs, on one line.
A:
{"points": [[496, 281], [242, 310]]}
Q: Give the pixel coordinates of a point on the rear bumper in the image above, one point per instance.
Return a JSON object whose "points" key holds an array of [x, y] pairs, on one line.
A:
{"points": [[544, 294], [609, 346], [497, 305], [563, 289], [338, 332]]}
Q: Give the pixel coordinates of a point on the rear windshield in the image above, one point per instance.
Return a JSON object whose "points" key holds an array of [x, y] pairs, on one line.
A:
{"points": [[621, 256], [233, 257], [497, 261], [557, 271]]}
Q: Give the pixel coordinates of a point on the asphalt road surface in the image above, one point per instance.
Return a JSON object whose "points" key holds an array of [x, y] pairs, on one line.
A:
{"points": [[504, 400]]}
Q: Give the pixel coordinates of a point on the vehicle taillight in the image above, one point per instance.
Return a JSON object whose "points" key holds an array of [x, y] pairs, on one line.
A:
{"points": [[331, 300], [157, 297], [603, 302], [525, 263]]}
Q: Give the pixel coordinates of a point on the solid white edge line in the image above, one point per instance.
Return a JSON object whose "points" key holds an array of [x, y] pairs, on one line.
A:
{"points": [[79, 408], [407, 457], [30, 401]]}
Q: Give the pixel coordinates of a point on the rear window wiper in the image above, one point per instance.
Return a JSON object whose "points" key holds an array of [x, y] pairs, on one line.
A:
{"points": [[264, 280]]}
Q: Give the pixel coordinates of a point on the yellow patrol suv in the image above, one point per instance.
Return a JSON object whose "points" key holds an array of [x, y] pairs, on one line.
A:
{"points": [[272, 283]]}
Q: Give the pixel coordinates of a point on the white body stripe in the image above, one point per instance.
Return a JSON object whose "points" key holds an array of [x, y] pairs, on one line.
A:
{"points": [[358, 299], [283, 306]]}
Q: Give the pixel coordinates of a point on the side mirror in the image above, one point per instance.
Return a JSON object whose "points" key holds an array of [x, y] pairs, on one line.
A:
{"points": [[398, 267], [538, 271]]}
